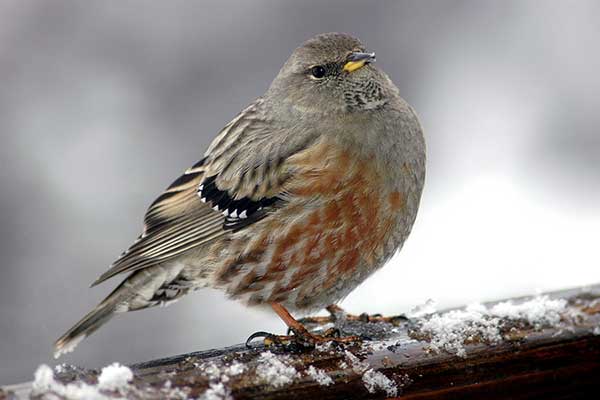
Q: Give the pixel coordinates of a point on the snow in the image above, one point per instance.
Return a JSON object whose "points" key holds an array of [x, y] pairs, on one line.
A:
{"points": [[211, 369], [372, 379], [44, 382], [319, 376], [216, 391], [539, 311], [60, 368], [429, 307], [113, 383], [274, 371], [451, 330], [375, 381], [70, 347], [114, 377], [357, 365]]}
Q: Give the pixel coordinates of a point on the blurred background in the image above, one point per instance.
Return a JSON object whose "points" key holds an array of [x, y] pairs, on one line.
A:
{"points": [[104, 103]]}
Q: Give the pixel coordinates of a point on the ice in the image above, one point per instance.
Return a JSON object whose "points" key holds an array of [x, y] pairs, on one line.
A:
{"points": [[274, 371], [114, 377], [375, 381], [320, 376]]}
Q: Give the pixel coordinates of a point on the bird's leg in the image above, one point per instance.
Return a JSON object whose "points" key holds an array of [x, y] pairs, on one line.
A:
{"points": [[301, 337], [337, 313]]}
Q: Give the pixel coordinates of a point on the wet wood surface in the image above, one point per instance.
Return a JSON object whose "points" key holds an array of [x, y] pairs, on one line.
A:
{"points": [[550, 360]]}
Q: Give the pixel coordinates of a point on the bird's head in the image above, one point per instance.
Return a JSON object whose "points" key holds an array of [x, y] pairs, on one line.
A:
{"points": [[331, 73]]}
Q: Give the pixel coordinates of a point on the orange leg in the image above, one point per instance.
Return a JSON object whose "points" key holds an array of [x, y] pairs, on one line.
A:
{"points": [[301, 336]]}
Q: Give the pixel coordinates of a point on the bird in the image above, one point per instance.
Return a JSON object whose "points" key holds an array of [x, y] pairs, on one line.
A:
{"points": [[298, 199]]}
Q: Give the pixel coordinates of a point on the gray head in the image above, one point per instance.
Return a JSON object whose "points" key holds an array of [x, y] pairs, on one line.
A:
{"points": [[331, 73]]}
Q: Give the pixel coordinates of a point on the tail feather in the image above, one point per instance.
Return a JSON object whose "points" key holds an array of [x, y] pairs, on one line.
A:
{"points": [[85, 327], [145, 288]]}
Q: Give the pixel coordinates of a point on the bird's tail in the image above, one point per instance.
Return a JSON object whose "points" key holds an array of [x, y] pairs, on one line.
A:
{"points": [[85, 327], [145, 288]]}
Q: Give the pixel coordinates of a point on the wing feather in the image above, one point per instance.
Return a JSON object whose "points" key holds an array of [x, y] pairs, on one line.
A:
{"points": [[237, 183]]}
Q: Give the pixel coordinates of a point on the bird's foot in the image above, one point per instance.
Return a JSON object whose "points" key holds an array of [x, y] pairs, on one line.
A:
{"points": [[301, 339], [336, 314]]}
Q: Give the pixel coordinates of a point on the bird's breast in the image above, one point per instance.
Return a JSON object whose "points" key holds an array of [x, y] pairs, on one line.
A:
{"points": [[341, 221]]}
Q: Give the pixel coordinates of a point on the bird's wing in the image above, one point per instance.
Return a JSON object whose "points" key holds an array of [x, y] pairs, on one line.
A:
{"points": [[237, 183]]}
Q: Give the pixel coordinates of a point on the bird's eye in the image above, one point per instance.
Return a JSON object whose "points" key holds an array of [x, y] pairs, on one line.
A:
{"points": [[318, 71]]}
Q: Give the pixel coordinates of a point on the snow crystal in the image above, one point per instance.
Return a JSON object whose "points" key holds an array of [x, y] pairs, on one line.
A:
{"points": [[235, 368], [320, 376], [357, 365], [326, 347], [60, 368], [174, 393], [372, 379], [218, 375], [375, 381], [211, 369], [216, 391], [423, 309], [451, 330], [538, 311], [274, 371], [114, 377]]}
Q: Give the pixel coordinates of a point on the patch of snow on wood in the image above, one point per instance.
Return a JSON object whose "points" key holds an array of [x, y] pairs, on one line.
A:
{"points": [[375, 381], [44, 383], [273, 370], [372, 379], [539, 311], [319, 376], [114, 377], [113, 383], [451, 330], [216, 391]]}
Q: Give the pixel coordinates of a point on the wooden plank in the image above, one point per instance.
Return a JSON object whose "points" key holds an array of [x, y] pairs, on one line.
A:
{"points": [[538, 356]]}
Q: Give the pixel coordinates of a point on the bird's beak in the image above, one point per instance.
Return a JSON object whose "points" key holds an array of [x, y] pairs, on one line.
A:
{"points": [[358, 60]]}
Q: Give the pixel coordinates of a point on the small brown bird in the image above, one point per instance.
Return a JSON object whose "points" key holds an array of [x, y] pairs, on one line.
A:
{"points": [[301, 197]]}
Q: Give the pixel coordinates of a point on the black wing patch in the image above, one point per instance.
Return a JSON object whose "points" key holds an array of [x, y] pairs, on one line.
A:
{"points": [[238, 213]]}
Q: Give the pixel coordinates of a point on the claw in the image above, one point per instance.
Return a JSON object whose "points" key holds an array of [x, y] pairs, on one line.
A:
{"points": [[260, 334], [332, 333]]}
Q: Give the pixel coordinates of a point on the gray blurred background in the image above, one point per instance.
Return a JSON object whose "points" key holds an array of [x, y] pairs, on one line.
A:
{"points": [[103, 103]]}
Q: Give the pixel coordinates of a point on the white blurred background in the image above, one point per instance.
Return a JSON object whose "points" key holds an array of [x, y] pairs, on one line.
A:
{"points": [[103, 103]]}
